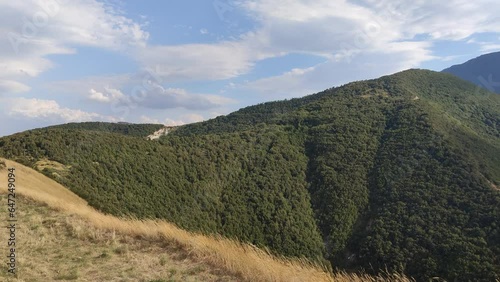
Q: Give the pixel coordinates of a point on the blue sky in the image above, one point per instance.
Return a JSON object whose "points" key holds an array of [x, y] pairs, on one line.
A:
{"points": [[177, 62]]}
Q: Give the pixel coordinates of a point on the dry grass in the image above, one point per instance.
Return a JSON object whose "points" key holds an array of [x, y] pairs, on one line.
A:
{"points": [[55, 246], [495, 187], [58, 169], [240, 260]]}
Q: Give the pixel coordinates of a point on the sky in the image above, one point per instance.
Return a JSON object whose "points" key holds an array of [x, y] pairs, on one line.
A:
{"points": [[182, 61]]}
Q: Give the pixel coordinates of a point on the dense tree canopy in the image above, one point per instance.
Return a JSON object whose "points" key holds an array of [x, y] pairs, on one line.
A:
{"points": [[399, 173]]}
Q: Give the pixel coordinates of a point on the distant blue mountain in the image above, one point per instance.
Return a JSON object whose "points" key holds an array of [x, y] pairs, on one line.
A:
{"points": [[483, 71]]}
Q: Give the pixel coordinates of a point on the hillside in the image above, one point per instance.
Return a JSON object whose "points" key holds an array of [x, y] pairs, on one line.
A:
{"points": [[138, 130], [65, 239], [58, 241], [482, 71], [61, 247], [399, 172]]}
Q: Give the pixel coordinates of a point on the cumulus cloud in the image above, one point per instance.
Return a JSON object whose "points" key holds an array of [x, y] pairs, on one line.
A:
{"points": [[98, 96], [110, 95], [31, 30], [50, 110]]}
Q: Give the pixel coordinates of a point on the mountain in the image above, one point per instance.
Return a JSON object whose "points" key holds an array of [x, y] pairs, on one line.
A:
{"points": [[398, 173], [59, 236], [66, 239], [483, 71]]}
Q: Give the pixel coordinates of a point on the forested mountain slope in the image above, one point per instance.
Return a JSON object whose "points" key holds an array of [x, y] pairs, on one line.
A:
{"points": [[139, 130], [482, 71], [398, 172]]}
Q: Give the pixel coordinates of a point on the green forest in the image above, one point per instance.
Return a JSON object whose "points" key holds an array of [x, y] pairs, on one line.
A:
{"points": [[400, 173]]}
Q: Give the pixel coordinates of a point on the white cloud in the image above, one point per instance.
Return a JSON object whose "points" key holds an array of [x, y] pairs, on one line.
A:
{"points": [[22, 67], [159, 97], [454, 19], [490, 47], [31, 30], [292, 83], [183, 119], [334, 29], [146, 119], [485, 46], [98, 96], [304, 11], [171, 122], [110, 95], [50, 110], [300, 82], [154, 96], [193, 118], [197, 61], [450, 58], [358, 39], [10, 86], [57, 24], [82, 86]]}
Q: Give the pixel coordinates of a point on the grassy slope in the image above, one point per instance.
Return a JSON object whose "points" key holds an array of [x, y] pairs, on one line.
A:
{"points": [[60, 246], [57, 242], [64, 239]]}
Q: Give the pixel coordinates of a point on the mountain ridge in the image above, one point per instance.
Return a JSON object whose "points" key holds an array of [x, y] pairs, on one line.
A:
{"points": [[355, 174], [482, 71]]}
